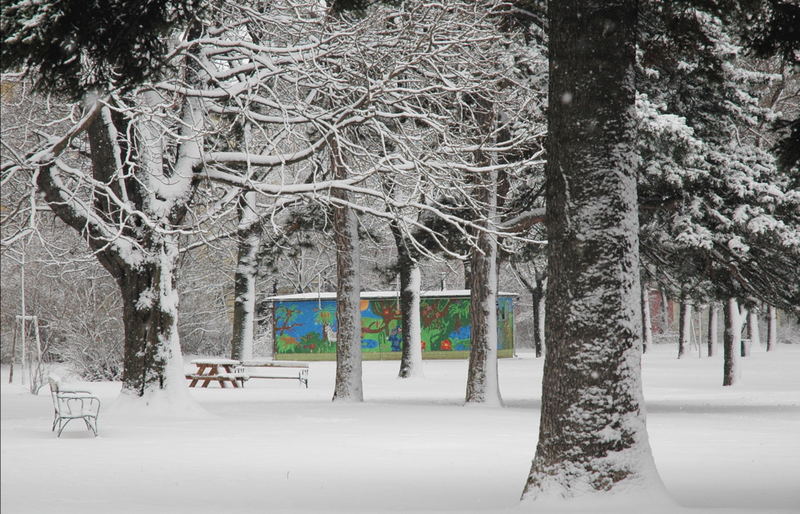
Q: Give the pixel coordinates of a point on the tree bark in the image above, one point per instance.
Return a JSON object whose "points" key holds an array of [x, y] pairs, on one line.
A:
{"points": [[244, 281], [730, 342], [713, 316], [592, 434], [664, 312], [348, 386], [537, 288], [744, 342], [467, 274], [752, 327], [537, 297], [410, 285], [410, 291], [540, 325], [150, 307], [685, 330], [482, 380], [772, 328], [647, 329]]}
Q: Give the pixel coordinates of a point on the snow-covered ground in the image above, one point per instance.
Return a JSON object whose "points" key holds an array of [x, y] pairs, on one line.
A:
{"points": [[412, 446]]}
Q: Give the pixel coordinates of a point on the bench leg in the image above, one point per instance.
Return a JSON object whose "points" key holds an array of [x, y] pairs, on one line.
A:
{"points": [[62, 425], [91, 424]]}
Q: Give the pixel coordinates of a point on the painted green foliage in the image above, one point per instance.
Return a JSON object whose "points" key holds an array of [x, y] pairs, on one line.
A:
{"points": [[309, 326]]}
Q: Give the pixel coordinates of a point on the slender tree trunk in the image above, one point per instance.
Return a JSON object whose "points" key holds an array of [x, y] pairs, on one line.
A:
{"points": [[467, 274], [752, 327], [541, 310], [713, 316], [731, 341], [537, 288], [664, 312], [244, 282], [348, 385], [537, 299], [410, 285], [482, 379], [647, 329], [685, 327], [744, 343], [410, 291], [772, 328], [592, 434]]}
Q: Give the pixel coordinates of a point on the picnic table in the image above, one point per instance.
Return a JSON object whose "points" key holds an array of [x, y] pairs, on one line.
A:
{"points": [[301, 375], [220, 371], [235, 372]]}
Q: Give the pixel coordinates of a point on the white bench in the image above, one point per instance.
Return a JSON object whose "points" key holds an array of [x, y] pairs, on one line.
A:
{"points": [[243, 374], [69, 405]]}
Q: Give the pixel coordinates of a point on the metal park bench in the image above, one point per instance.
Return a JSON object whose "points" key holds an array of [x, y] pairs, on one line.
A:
{"points": [[69, 405]]}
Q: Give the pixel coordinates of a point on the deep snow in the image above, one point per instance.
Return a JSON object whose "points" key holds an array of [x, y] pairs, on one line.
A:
{"points": [[277, 447]]}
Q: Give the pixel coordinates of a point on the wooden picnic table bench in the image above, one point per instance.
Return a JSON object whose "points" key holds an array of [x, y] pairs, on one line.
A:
{"points": [[220, 371], [225, 371]]}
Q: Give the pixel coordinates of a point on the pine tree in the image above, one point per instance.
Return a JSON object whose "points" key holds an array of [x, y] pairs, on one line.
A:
{"points": [[592, 434]]}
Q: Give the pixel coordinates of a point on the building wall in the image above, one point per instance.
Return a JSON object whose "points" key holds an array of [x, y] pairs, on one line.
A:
{"points": [[306, 329]]}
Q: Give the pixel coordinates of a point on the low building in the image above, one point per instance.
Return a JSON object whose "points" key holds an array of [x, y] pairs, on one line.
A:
{"points": [[304, 325]]}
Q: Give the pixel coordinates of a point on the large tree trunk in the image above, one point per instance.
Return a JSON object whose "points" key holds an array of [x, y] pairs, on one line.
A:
{"points": [[685, 330], [141, 258], [730, 342], [772, 328], [152, 354], [647, 329], [713, 316], [244, 282], [348, 386], [592, 434]]}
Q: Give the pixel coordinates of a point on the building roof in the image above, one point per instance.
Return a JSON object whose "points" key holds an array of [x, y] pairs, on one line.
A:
{"points": [[375, 295]]}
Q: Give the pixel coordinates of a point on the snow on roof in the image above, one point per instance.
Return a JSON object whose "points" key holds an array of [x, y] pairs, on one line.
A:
{"points": [[370, 295]]}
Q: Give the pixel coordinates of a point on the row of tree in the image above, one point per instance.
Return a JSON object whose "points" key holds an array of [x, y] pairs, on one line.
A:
{"points": [[190, 123]]}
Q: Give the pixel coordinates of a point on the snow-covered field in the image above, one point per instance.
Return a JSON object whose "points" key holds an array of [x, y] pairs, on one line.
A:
{"points": [[412, 446]]}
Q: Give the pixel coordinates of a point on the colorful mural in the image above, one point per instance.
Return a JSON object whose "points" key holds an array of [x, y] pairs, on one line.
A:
{"points": [[307, 327]]}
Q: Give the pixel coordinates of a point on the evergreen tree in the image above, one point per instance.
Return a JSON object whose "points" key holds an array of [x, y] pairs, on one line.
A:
{"points": [[75, 46], [592, 434], [718, 212]]}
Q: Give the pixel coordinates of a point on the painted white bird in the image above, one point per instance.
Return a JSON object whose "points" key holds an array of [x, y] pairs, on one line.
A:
{"points": [[330, 333]]}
